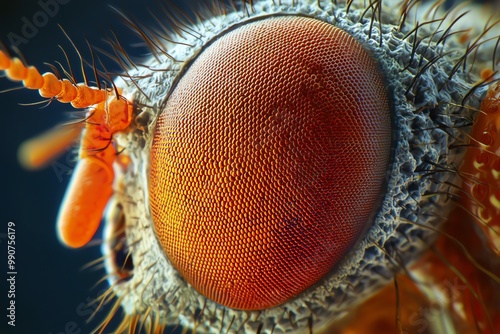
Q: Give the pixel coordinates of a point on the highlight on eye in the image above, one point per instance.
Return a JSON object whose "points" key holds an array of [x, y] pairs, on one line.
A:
{"points": [[289, 167]]}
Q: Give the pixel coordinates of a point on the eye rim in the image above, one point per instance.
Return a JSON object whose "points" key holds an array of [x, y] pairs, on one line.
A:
{"points": [[279, 316], [384, 143]]}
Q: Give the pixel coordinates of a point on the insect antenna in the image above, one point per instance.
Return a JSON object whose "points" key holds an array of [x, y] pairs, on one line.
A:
{"points": [[19, 54]]}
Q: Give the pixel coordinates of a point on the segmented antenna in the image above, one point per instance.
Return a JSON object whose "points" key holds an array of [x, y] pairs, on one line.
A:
{"points": [[92, 181]]}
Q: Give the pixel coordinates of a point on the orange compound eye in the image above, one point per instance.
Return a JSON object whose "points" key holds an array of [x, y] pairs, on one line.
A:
{"points": [[268, 160]]}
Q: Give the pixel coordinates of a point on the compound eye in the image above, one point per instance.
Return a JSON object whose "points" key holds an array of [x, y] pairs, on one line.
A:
{"points": [[269, 159]]}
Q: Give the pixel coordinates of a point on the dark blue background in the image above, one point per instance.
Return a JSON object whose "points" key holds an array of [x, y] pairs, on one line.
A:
{"points": [[51, 290]]}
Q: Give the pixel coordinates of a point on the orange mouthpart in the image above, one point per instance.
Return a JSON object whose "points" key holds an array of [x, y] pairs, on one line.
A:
{"points": [[84, 202], [92, 182]]}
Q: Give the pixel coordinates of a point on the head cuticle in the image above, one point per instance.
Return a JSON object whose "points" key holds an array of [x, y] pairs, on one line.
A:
{"points": [[158, 278]]}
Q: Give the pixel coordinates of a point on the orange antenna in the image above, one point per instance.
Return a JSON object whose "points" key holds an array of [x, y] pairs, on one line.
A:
{"points": [[91, 185]]}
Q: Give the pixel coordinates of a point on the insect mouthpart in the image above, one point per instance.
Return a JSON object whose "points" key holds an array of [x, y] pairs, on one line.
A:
{"points": [[115, 248]]}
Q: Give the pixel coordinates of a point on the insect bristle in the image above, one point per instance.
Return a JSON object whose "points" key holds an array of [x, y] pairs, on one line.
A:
{"points": [[100, 260], [110, 316]]}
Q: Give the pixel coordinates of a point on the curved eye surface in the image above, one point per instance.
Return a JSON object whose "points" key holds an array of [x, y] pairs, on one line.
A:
{"points": [[268, 160]]}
